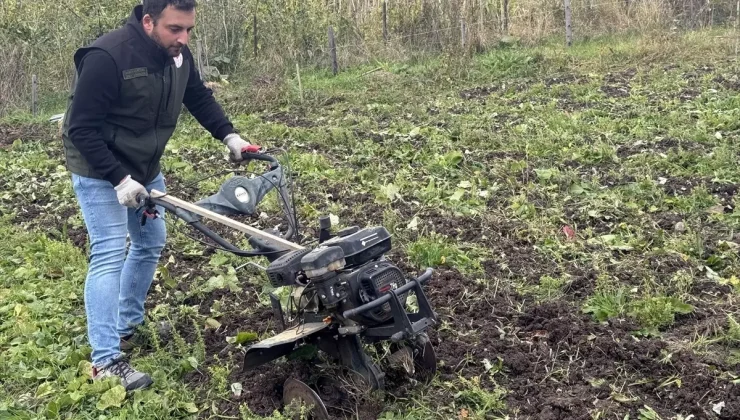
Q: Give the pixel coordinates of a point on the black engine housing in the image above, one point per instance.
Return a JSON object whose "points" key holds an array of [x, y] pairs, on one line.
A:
{"points": [[362, 246], [346, 271], [369, 282], [284, 270], [357, 249]]}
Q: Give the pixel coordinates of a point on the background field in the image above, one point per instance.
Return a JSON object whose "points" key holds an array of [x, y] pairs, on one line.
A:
{"points": [[252, 39], [577, 204]]}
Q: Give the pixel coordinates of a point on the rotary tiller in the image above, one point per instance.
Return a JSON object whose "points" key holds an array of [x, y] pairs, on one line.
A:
{"points": [[345, 293]]}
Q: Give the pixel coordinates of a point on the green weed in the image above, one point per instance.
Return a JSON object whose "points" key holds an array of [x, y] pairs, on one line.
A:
{"points": [[436, 251], [630, 141]]}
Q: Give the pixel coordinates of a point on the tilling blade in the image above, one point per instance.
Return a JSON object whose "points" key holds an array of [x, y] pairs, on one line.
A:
{"points": [[426, 361], [403, 358], [295, 390]]}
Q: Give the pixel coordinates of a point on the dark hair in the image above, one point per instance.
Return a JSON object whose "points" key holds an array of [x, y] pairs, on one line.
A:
{"points": [[154, 8]]}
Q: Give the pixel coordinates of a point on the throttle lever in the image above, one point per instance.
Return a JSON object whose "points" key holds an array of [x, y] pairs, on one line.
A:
{"points": [[150, 212]]}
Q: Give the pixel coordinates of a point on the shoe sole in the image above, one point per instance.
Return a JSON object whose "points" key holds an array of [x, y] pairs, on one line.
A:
{"points": [[141, 383]]}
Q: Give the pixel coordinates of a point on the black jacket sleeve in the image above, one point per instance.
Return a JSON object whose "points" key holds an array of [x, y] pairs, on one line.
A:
{"points": [[200, 102], [97, 87]]}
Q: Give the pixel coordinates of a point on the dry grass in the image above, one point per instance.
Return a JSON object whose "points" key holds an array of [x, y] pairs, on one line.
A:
{"points": [[290, 32], [532, 21], [12, 78]]}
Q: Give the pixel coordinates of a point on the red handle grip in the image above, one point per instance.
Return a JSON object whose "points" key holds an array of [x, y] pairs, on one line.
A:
{"points": [[252, 148]]}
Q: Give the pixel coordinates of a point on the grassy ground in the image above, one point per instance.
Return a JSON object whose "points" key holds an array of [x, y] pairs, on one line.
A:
{"points": [[578, 205]]}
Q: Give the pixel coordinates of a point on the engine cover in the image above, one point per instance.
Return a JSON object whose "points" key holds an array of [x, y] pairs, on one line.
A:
{"points": [[362, 246], [370, 282], [283, 271]]}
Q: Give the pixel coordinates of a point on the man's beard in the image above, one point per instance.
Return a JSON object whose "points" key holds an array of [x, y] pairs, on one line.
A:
{"points": [[171, 51]]}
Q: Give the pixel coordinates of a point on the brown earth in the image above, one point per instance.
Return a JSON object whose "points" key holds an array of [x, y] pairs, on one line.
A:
{"points": [[9, 133], [288, 119], [555, 362]]}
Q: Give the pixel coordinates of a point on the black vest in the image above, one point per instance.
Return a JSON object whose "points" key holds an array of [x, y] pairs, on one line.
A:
{"points": [[143, 118]]}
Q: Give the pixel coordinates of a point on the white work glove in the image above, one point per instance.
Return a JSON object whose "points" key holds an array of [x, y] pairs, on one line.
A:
{"points": [[130, 192], [236, 145]]}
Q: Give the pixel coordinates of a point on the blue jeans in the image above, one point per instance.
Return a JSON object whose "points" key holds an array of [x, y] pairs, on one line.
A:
{"points": [[117, 284]]}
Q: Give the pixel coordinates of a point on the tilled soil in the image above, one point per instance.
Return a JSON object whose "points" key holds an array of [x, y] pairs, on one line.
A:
{"points": [[556, 363], [560, 364], [263, 386], [9, 133], [551, 360]]}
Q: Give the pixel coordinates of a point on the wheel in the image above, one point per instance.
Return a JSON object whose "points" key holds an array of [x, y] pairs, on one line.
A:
{"points": [[425, 359], [298, 392]]}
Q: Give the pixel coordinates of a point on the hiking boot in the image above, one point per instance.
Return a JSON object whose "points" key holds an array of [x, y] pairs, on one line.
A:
{"points": [[131, 379]]}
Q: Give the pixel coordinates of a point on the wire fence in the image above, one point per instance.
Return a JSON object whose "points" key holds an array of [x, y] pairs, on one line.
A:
{"points": [[246, 37], [578, 14]]}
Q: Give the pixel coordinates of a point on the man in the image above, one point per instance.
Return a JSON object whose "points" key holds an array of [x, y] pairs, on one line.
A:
{"points": [[130, 88]]}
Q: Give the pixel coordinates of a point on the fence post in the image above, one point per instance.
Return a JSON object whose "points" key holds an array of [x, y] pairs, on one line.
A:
{"points": [[385, 21], [300, 85], [200, 59], [506, 17], [333, 51], [568, 27], [737, 16], [34, 94], [481, 16], [254, 30], [462, 33]]}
